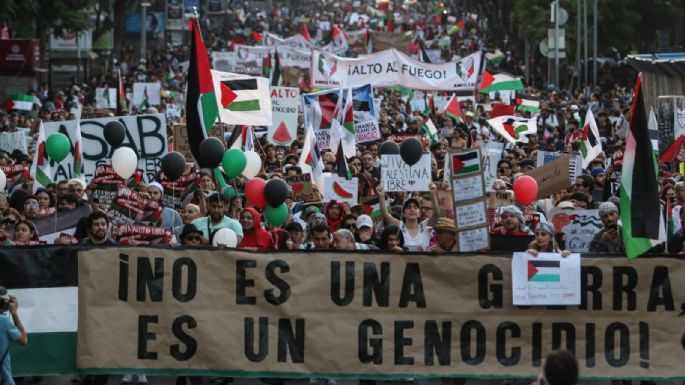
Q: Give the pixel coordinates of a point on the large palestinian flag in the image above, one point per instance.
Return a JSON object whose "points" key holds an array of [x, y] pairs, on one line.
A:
{"points": [[243, 99], [643, 225], [201, 102], [499, 82]]}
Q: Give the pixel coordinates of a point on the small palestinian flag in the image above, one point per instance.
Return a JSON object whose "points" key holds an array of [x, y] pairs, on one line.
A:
{"points": [[495, 58], [591, 146], [465, 163], [258, 37], [430, 130], [423, 56], [499, 82], [544, 271], [40, 167], [453, 111], [341, 167], [20, 102], [145, 104], [456, 28], [276, 72], [513, 128], [305, 33], [526, 103]]}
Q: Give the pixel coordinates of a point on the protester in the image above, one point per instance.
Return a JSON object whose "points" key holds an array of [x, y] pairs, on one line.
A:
{"points": [[446, 237], [11, 331], [609, 239]]}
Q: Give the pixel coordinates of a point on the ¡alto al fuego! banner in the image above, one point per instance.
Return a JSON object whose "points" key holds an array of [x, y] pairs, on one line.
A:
{"points": [[223, 312], [392, 68]]}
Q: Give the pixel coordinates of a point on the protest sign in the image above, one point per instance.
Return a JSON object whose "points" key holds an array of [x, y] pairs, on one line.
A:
{"points": [[577, 226], [134, 234], [146, 93], [179, 192], [145, 134], [446, 203], [223, 61], [575, 164], [16, 175], [492, 153], [306, 301], [301, 187], [285, 103], [287, 56], [474, 240], [671, 127], [10, 141], [545, 279], [471, 215], [468, 192], [467, 188], [382, 41], [396, 175], [552, 177], [391, 68], [340, 189], [106, 97]]}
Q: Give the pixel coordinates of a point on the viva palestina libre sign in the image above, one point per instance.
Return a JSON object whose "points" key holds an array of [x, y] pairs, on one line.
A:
{"points": [[145, 134], [226, 312], [392, 68]]}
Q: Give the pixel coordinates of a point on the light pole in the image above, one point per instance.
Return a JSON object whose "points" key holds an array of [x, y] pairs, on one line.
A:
{"points": [[594, 44], [555, 11], [143, 30]]}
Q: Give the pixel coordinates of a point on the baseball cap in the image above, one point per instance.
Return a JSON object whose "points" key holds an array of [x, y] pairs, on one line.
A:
{"points": [[364, 220]]}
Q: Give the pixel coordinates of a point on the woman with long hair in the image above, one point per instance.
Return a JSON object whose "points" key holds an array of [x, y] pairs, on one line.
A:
{"points": [[24, 232], [544, 241]]}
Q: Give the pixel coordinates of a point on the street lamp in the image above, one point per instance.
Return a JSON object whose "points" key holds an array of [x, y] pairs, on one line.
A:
{"points": [[143, 30]]}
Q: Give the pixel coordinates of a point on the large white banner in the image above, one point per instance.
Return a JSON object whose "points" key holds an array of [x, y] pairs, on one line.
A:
{"points": [[146, 134], [392, 68]]}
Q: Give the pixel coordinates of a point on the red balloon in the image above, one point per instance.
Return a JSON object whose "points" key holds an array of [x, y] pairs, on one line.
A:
{"points": [[525, 189], [254, 192]]}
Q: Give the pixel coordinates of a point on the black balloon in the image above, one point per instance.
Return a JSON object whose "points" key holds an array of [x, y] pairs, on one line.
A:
{"points": [[211, 152], [389, 148], [173, 165], [411, 151], [275, 192], [115, 133]]}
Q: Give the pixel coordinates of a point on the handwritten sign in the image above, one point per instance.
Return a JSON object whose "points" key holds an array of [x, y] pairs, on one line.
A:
{"points": [[547, 279], [470, 187], [366, 131], [285, 104], [150, 91], [474, 239], [301, 187], [552, 177], [396, 175], [492, 153], [340, 189], [471, 215], [10, 141]]}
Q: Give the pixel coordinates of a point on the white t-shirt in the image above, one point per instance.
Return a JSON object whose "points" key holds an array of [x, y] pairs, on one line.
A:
{"points": [[422, 239]]}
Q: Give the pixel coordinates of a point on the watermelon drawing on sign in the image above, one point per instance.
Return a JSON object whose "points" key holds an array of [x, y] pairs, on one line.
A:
{"points": [[340, 191], [282, 135]]}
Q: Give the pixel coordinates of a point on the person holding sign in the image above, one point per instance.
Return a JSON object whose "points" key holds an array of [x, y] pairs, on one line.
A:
{"points": [[416, 234], [544, 241]]}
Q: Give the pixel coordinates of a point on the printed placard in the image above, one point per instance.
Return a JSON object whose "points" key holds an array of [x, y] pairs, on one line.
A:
{"points": [[340, 189], [465, 163], [301, 187], [547, 279], [471, 215], [367, 131], [470, 187], [285, 104], [396, 175], [474, 239]]}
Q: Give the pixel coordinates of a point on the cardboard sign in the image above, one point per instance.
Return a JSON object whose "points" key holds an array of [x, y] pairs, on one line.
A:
{"points": [[471, 215], [145, 134], [547, 279], [492, 153], [396, 175], [285, 104], [552, 177], [10, 141], [340, 189], [474, 240], [150, 91], [301, 187]]}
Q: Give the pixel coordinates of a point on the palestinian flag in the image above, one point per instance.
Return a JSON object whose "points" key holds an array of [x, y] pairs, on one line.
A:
{"points": [[78, 152], [121, 97], [372, 207], [591, 146], [258, 37], [430, 131], [423, 56], [430, 105], [465, 163], [540, 270], [348, 113], [201, 100], [456, 28], [341, 166], [513, 128], [276, 71], [653, 127], [243, 99], [305, 33], [310, 155], [495, 58], [527, 103], [40, 167], [499, 82], [339, 39], [45, 284], [326, 109], [145, 104], [453, 111], [640, 204], [266, 66], [20, 102]]}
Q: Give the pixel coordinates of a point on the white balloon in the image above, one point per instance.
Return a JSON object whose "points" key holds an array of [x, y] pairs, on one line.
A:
{"points": [[254, 164], [124, 162], [3, 180], [225, 237]]}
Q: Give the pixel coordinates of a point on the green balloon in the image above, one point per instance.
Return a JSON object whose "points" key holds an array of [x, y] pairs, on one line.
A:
{"points": [[276, 216], [57, 146], [234, 162]]}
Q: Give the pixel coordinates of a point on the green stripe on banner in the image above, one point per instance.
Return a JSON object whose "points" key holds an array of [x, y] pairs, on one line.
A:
{"points": [[45, 354], [245, 105], [545, 278]]}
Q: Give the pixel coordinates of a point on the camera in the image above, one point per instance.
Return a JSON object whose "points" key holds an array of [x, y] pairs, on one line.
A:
{"points": [[4, 300]]}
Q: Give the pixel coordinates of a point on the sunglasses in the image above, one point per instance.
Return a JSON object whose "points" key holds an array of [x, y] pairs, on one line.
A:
{"points": [[31, 206], [193, 238]]}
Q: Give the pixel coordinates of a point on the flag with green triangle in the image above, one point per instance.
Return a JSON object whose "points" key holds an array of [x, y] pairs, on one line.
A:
{"points": [[40, 167]]}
